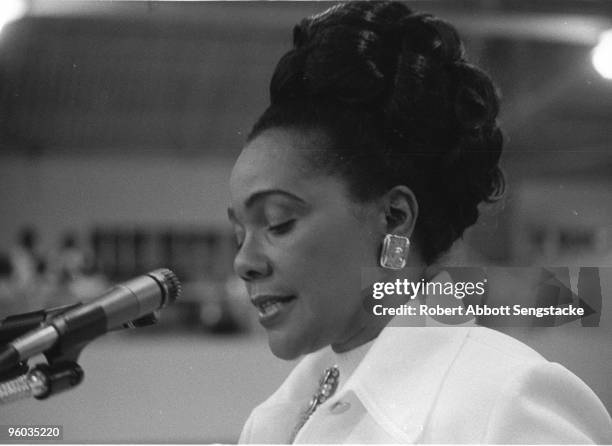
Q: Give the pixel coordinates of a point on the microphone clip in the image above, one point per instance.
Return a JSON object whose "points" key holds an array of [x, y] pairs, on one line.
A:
{"points": [[61, 372]]}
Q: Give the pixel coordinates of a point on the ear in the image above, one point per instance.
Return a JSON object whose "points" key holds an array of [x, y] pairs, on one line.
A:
{"points": [[401, 210]]}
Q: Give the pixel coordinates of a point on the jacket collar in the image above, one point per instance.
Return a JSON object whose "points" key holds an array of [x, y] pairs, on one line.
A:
{"points": [[397, 381], [399, 378]]}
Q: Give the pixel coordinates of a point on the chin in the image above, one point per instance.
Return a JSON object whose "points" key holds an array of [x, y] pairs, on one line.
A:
{"points": [[291, 342], [284, 350]]}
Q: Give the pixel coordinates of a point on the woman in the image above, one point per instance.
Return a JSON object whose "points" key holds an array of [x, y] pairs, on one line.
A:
{"points": [[378, 145]]}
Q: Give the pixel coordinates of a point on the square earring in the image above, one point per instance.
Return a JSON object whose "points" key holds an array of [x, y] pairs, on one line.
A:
{"points": [[394, 251]]}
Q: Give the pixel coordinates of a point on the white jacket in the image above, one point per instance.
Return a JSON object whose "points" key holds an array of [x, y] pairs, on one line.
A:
{"points": [[437, 385]]}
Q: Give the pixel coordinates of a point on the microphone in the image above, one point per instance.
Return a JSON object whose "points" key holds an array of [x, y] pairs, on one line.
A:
{"points": [[121, 304], [16, 325]]}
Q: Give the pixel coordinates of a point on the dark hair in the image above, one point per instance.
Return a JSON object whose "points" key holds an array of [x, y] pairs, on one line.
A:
{"points": [[393, 91]]}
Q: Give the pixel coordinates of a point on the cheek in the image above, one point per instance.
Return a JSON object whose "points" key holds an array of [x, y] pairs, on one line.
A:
{"points": [[328, 256]]}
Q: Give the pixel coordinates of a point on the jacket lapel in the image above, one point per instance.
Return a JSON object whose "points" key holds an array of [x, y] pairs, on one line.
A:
{"points": [[402, 374], [275, 424]]}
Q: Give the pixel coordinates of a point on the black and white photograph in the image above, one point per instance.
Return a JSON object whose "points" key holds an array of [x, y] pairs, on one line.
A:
{"points": [[279, 222]]}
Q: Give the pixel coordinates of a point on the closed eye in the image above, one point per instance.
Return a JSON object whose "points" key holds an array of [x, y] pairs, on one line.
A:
{"points": [[282, 228]]}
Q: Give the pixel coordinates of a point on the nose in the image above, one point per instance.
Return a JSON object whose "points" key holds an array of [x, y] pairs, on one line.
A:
{"points": [[250, 262]]}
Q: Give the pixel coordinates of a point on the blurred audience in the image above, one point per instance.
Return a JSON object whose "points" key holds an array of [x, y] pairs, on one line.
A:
{"points": [[26, 259], [31, 280], [70, 261]]}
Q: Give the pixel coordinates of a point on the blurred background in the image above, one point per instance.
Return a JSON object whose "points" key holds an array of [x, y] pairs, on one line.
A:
{"points": [[119, 125]]}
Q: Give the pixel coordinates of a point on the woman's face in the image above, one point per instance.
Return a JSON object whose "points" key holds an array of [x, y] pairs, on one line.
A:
{"points": [[303, 243]]}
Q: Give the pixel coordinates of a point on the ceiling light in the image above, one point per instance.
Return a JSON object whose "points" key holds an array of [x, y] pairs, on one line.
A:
{"points": [[11, 10], [602, 55]]}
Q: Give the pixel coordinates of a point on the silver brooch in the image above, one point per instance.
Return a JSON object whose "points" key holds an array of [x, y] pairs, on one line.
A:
{"points": [[327, 387]]}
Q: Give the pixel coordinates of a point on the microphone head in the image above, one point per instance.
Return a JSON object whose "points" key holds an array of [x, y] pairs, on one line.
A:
{"points": [[168, 281]]}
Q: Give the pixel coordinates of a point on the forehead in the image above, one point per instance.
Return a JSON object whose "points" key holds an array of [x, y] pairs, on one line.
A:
{"points": [[276, 159]]}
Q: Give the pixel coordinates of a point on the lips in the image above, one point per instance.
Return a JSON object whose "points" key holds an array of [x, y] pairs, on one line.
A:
{"points": [[271, 306]]}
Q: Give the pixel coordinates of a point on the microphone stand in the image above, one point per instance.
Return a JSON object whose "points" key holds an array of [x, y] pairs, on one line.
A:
{"points": [[62, 372]]}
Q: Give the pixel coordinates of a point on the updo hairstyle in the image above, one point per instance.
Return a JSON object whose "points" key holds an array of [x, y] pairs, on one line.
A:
{"points": [[400, 104]]}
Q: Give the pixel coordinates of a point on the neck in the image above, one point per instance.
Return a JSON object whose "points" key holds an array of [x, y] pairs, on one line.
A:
{"points": [[369, 325], [363, 335]]}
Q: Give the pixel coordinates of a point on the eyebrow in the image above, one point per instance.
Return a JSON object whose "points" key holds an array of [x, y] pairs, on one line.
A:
{"points": [[260, 195]]}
